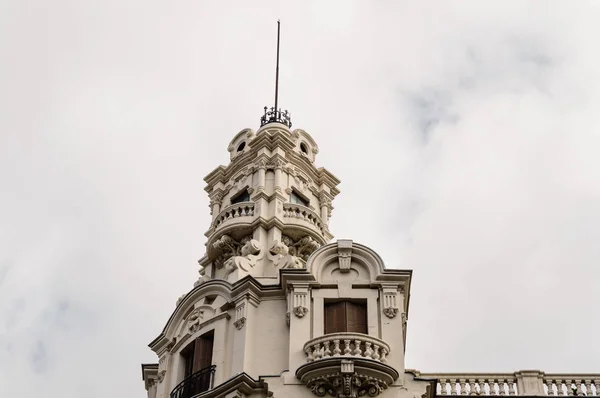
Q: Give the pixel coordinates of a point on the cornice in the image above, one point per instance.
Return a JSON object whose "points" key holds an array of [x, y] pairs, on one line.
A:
{"points": [[241, 382]]}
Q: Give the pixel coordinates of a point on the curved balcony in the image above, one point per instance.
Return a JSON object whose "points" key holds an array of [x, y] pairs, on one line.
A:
{"points": [[346, 364], [302, 216], [243, 211], [196, 383]]}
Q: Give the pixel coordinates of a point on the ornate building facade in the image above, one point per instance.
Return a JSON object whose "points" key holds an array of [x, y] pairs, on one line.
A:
{"points": [[280, 309]]}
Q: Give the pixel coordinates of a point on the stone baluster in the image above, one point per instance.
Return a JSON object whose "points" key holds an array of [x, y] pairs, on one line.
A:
{"points": [[579, 391], [481, 386], [347, 349], [357, 350], [511, 387], [501, 386], [309, 355], [550, 386], [452, 386], [326, 351], [369, 351], [472, 387], [383, 358], [588, 387], [336, 348], [569, 385], [317, 352], [443, 390], [375, 354], [463, 388], [492, 384]]}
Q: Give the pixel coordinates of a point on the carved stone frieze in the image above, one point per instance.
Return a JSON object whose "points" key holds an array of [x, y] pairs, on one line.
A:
{"points": [[194, 320], [346, 385]]}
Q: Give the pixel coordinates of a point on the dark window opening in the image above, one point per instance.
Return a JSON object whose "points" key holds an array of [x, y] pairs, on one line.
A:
{"points": [[241, 147], [297, 199], [346, 316], [243, 196], [303, 148], [197, 357], [208, 300]]}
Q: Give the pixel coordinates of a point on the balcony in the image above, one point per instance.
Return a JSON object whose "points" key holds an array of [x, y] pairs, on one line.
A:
{"points": [[523, 383], [234, 214], [302, 216], [199, 382], [346, 364]]}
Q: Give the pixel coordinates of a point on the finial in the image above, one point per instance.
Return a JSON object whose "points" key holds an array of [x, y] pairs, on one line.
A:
{"points": [[274, 115]]}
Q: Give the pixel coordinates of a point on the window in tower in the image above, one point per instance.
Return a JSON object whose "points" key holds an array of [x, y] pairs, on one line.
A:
{"points": [[243, 196], [197, 357], [304, 148], [346, 316], [241, 147], [297, 199]]}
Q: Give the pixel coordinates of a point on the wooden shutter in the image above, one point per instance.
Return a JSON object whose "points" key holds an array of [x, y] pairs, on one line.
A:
{"points": [[203, 351], [356, 317], [335, 317]]}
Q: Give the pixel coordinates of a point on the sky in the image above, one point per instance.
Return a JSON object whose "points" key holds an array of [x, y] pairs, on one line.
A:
{"points": [[464, 133]]}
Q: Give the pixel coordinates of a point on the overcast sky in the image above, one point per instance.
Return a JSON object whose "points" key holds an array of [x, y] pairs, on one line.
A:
{"points": [[465, 135]]}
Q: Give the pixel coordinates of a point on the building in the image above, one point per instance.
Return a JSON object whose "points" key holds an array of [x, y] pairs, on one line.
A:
{"points": [[278, 310]]}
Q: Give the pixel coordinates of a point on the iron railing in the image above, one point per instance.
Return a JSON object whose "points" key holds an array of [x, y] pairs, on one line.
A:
{"points": [[273, 115], [196, 383]]}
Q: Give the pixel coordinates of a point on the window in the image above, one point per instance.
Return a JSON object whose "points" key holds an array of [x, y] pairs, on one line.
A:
{"points": [[197, 356], [303, 148], [297, 199], [241, 147], [243, 196], [346, 316]]}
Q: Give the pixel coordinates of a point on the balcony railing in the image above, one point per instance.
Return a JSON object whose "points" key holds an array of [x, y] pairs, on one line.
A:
{"points": [[350, 345], [531, 383], [196, 383], [291, 210], [242, 209]]}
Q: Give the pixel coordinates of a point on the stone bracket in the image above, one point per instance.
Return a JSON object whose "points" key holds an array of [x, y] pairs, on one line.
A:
{"points": [[344, 254]]}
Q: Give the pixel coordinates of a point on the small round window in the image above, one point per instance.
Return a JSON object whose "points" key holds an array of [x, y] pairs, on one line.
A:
{"points": [[303, 148], [241, 147]]}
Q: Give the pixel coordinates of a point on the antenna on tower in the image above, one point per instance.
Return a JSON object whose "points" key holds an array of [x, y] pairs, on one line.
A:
{"points": [[275, 115]]}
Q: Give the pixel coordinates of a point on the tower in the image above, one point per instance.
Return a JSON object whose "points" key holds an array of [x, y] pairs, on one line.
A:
{"points": [[278, 309]]}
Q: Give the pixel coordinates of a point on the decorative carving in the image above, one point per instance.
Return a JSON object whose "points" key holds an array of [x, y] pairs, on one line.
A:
{"points": [[290, 254], [247, 258], [236, 254], [287, 318], [346, 385], [390, 312], [300, 311], [161, 376], [239, 324], [404, 319], [194, 319], [344, 254], [202, 278]]}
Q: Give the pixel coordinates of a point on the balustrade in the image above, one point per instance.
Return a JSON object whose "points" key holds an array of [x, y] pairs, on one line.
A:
{"points": [[291, 210], [242, 209], [507, 384], [355, 345], [199, 382]]}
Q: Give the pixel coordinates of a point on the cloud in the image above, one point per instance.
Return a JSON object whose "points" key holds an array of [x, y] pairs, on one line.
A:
{"points": [[465, 137]]}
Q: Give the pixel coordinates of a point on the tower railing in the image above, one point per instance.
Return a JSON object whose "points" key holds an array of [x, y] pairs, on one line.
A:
{"points": [[273, 115], [196, 383]]}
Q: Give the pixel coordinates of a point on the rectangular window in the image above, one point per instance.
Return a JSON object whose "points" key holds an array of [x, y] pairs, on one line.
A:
{"points": [[297, 199], [198, 354], [346, 316], [243, 196]]}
